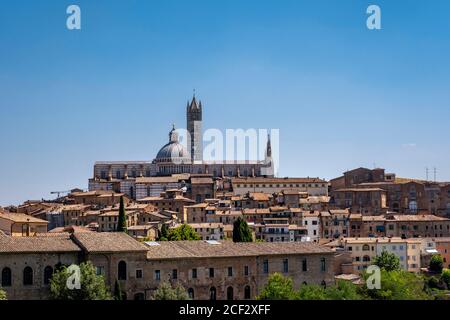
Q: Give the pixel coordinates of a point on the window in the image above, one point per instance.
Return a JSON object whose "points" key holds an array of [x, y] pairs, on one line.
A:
{"points": [[230, 271], [122, 270], [211, 272], [246, 271], [322, 265], [212, 293], [27, 276], [194, 273], [139, 274], [247, 293], [366, 258], [230, 293], [48, 273], [304, 265], [266, 266], [366, 247], [174, 274], [157, 275], [139, 296], [191, 293], [285, 265], [6, 277], [100, 271]]}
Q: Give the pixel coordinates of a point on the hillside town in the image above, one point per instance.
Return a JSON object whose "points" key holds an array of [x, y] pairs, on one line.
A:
{"points": [[309, 229]]}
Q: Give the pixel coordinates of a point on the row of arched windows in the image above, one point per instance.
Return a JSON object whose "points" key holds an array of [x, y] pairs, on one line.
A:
{"points": [[27, 276]]}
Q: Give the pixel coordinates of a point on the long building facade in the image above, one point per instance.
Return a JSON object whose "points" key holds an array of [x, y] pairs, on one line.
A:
{"points": [[209, 270]]}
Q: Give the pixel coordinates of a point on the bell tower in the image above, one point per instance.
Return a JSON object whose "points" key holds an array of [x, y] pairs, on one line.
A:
{"points": [[194, 127]]}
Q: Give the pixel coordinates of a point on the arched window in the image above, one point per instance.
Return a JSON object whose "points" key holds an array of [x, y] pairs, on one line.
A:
{"points": [[122, 270], [191, 293], [212, 294], [366, 247], [27, 276], [230, 293], [48, 273], [247, 293], [366, 258], [6, 277], [139, 296]]}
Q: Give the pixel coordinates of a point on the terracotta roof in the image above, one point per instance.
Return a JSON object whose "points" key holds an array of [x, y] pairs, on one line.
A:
{"points": [[360, 190], [107, 242], [58, 242], [157, 180], [143, 227], [262, 180], [260, 196], [206, 225], [223, 249], [256, 211], [201, 180], [21, 217], [419, 217], [198, 205]]}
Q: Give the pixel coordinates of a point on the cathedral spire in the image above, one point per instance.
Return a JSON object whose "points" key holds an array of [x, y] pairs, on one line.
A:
{"points": [[269, 147]]}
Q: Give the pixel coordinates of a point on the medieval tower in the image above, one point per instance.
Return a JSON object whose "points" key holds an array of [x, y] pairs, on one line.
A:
{"points": [[194, 127]]}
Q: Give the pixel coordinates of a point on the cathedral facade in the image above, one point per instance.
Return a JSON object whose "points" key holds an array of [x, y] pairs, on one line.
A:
{"points": [[174, 160]]}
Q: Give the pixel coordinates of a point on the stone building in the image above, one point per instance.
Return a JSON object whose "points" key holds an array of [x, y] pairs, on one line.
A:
{"points": [[27, 263], [171, 200], [312, 186], [364, 250], [21, 225], [402, 195], [207, 269], [230, 271]]}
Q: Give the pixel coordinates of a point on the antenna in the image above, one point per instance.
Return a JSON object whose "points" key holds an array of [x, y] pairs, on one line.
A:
{"points": [[435, 171], [426, 169]]}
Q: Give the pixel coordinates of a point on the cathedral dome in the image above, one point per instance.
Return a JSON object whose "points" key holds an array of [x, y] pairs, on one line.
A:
{"points": [[174, 151]]}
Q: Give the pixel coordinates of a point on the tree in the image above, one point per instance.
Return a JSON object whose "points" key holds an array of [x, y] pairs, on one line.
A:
{"points": [[398, 285], [445, 276], [387, 261], [118, 294], [241, 231], [122, 223], [166, 292], [2, 295], [344, 290], [183, 232], [436, 263], [278, 287], [311, 292], [164, 234], [92, 286]]}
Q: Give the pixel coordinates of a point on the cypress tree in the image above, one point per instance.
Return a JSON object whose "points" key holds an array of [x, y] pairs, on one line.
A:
{"points": [[241, 231], [118, 291], [122, 223]]}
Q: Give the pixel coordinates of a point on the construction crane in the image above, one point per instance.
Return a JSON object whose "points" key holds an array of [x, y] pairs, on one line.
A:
{"points": [[59, 193]]}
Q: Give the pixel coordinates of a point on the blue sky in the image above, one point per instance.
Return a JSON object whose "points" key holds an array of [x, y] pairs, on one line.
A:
{"points": [[342, 96]]}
